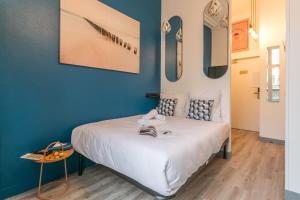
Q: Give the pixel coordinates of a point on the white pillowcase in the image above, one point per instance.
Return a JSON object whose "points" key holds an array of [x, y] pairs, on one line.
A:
{"points": [[180, 109], [216, 114]]}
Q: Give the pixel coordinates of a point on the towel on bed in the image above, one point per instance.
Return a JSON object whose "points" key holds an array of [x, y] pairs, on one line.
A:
{"points": [[150, 122], [151, 115], [152, 119]]}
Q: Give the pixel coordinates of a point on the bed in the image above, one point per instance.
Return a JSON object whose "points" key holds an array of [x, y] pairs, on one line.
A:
{"points": [[161, 165]]}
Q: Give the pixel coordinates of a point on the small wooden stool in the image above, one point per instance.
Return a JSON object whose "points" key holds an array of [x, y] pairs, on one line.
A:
{"points": [[45, 160]]}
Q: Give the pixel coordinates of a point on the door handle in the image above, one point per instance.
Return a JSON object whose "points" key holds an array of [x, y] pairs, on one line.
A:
{"points": [[257, 93]]}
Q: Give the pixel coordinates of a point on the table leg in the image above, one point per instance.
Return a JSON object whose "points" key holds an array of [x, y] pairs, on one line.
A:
{"points": [[40, 180], [66, 172]]}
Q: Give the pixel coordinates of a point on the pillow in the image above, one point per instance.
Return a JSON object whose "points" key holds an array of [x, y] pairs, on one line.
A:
{"points": [[200, 109], [216, 114], [167, 107], [181, 106]]}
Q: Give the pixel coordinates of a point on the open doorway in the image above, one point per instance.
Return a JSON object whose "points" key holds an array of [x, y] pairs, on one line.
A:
{"points": [[258, 68], [258, 90]]}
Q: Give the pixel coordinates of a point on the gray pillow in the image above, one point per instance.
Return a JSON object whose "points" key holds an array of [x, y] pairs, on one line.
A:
{"points": [[167, 106], [200, 109]]}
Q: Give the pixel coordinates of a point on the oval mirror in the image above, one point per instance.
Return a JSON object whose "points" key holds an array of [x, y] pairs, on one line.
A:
{"points": [[215, 38], [174, 50]]}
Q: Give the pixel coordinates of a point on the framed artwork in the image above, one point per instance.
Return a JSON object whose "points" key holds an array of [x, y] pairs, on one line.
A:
{"points": [[240, 37], [95, 35]]}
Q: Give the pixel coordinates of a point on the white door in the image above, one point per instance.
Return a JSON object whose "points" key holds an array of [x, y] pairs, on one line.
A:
{"points": [[245, 80]]}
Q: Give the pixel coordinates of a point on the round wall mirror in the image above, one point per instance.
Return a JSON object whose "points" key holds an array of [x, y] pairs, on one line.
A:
{"points": [[174, 50], [215, 38]]}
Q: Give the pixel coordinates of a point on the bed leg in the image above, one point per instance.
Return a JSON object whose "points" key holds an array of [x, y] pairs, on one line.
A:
{"points": [[80, 164], [225, 151]]}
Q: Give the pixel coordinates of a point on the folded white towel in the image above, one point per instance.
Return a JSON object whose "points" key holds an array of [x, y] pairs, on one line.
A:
{"points": [[160, 117], [151, 115], [150, 122]]}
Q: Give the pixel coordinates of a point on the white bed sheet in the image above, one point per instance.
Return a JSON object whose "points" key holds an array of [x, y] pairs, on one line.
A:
{"points": [[162, 164]]}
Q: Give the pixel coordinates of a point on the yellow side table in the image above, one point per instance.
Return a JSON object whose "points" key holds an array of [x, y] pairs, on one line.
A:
{"points": [[48, 160]]}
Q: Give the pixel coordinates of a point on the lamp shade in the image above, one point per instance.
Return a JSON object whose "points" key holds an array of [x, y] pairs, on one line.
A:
{"points": [[166, 26]]}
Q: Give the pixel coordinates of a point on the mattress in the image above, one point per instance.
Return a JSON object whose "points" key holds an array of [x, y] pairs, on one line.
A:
{"points": [[162, 164]]}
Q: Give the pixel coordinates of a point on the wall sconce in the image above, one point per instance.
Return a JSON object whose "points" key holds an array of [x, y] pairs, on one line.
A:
{"points": [[253, 33], [166, 26]]}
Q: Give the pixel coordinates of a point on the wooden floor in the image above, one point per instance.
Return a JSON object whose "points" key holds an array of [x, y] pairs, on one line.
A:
{"points": [[255, 172]]}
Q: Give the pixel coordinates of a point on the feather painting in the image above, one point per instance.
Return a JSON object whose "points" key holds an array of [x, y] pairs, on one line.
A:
{"points": [[95, 35]]}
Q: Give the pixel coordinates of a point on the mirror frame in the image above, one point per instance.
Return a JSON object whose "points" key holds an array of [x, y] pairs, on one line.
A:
{"points": [[178, 56]]}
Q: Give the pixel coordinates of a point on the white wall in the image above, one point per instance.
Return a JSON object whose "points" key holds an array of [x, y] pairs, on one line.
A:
{"points": [[293, 98], [272, 33], [193, 79]]}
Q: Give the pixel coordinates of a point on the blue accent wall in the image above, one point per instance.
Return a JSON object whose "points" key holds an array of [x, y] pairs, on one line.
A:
{"points": [[207, 49], [41, 101]]}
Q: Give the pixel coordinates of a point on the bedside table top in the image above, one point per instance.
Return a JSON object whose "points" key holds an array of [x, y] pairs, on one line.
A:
{"points": [[67, 154]]}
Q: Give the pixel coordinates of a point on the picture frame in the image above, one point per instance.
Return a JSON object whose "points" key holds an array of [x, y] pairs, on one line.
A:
{"points": [[240, 35], [93, 34]]}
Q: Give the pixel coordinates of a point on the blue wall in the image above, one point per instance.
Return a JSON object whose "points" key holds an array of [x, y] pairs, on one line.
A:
{"points": [[42, 101]]}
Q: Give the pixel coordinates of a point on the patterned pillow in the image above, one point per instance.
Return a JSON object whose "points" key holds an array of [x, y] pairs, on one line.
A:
{"points": [[200, 109], [167, 106]]}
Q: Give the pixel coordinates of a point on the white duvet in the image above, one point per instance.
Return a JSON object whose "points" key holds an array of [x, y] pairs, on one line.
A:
{"points": [[162, 164]]}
